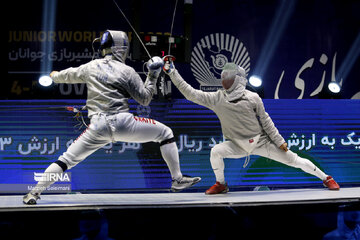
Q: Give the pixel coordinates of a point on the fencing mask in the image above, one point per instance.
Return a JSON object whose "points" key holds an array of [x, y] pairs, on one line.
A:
{"points": [[115, 43], [232, 75]]}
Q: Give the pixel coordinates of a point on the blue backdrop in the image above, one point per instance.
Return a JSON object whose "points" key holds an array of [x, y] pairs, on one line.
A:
{"points": [[325, 131]]}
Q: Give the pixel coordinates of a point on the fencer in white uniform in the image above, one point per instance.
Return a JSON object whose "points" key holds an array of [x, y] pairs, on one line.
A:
{"points": [[246, 126], [110, 83]]}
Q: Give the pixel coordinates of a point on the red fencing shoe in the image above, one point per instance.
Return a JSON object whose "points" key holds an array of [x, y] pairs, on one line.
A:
{"points": [[217, 188], [331, 184]]}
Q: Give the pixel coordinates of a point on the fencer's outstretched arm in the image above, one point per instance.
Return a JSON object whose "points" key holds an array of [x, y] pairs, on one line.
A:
{"points": [[267, 123], [70, 75], [207, 99]]}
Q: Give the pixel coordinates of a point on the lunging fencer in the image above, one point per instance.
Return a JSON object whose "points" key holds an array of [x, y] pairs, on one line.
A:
{"points": [[246, 126], [110, 83]]}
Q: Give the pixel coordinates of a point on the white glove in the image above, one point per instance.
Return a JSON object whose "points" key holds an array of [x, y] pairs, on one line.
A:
{"points": [[169, 66], [154, 65]]}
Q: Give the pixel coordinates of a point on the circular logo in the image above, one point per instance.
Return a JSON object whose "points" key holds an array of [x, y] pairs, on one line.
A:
{"points": [[220, 61], [212, 52]]}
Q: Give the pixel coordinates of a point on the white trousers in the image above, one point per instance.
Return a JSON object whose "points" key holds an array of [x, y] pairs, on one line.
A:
{"points": [[122, 127], [228, 149]]}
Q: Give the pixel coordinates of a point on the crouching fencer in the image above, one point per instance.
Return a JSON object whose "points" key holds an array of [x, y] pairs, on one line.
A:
{"points": [[110, 83], [247, 128]]}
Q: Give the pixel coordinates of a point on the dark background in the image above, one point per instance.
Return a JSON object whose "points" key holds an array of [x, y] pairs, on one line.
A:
{"points": [[279, 36]]}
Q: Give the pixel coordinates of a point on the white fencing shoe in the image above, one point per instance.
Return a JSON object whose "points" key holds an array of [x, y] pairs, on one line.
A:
{"points": [[183, 183], [30, 198]]}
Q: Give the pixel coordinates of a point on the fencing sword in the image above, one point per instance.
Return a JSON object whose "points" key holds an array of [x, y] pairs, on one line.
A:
{"points": [[137, 35], [169, 58], [172, 27]]}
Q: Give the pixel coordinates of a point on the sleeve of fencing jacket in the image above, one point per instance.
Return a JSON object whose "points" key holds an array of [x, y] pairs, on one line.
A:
{"points": [[140, 91], [267, 123], [71, 75], [207, 99]]}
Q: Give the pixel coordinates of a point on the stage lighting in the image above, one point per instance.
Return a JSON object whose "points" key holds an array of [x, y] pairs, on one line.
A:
{"points": [[283, 14], [47, 47], [334, 87], [255, 81], [45, 81]]}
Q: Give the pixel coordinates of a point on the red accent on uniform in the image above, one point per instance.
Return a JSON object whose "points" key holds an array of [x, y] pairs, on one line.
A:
{"points": [[82, 133], [145, 120], [71, 109]]}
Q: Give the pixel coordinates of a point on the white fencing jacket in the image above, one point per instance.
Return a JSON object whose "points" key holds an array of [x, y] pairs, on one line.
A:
{"points": [[241, 113], [110, 84]]}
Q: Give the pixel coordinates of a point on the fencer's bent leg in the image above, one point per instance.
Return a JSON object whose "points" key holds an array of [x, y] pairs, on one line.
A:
{"points": [[135, 129], [220, 151], [289, 158], [86, 144]]}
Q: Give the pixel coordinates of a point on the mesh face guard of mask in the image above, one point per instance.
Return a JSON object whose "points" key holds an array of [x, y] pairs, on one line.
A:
{"points": [[232, 71]]}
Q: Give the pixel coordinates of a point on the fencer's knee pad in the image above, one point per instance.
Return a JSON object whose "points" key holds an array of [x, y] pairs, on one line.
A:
{"points": [[167, 141], [61, 164], [67, 161]]}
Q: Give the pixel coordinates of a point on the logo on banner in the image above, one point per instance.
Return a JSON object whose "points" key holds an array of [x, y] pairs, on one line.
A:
{"points": [[210, 55], [52, 177]]}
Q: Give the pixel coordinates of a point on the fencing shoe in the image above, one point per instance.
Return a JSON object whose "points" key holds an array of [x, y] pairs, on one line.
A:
{"points": [[331, 184], [183, 183], [217, 188], [30, 198]]}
